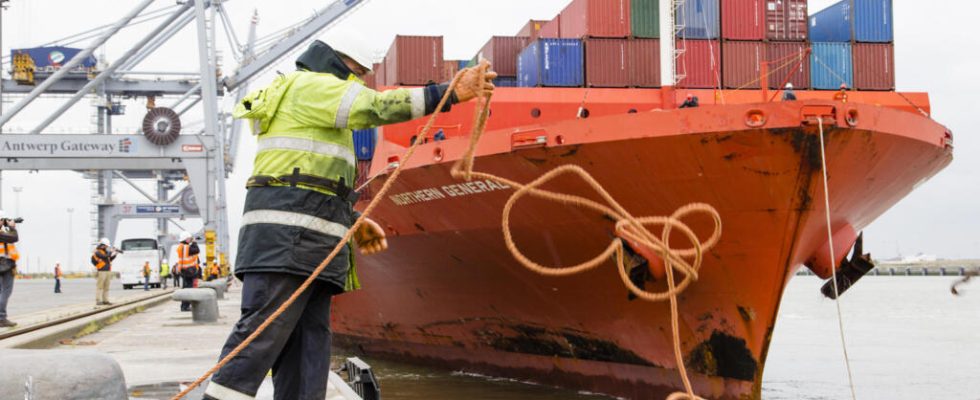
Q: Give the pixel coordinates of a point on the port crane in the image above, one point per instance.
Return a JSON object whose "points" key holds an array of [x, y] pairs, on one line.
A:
{"points": [[161, 151]]}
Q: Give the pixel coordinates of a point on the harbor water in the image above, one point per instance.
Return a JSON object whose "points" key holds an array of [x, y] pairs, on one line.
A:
{"points": [[907, 337]]}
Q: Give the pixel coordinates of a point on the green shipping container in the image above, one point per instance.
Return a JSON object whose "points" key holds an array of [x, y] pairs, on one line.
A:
{"points": [[645, 18]]}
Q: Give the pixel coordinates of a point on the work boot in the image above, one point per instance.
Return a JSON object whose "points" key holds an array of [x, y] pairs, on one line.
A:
{"points": [[6, 323]]}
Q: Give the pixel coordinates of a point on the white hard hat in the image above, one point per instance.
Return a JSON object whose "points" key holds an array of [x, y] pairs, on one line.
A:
{"points": [[350, 44], [105, 241], [789, 85], [184, 235], [165, 261]]}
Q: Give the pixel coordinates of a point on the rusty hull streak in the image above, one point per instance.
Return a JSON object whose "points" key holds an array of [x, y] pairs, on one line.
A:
{"points": [[723, 355]]}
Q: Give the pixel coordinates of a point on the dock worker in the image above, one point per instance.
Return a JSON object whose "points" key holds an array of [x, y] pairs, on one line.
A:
{"points": [[691, 101], [57, 277], [300, 204], [842, 94], [214, 272], [102, 261], [788, 93], [187, 264], [146, 276], [164, 273], [8, 266]]}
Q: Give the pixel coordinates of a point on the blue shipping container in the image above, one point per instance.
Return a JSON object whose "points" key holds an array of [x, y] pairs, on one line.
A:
{"points": [[505, 81], [51, 58], [863, 20], [701, 19], [551, 62], [873, 21], [364, 142], [830, 65], [463, 63]]}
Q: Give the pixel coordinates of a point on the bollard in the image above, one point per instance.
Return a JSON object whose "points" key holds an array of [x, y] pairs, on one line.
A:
{"points": [[60, 374]]}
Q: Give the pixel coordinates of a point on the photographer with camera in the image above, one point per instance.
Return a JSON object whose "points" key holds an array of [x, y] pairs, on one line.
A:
{"points": [[8, 264], [102, 260]]}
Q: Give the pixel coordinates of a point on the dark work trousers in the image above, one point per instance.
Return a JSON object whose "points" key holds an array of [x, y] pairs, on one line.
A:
{"points": [[57, 285], [296, 346], [176, 281], [188, 283]]}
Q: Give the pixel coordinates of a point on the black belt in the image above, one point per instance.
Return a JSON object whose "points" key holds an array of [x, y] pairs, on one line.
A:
{"points": [[339, 188]]}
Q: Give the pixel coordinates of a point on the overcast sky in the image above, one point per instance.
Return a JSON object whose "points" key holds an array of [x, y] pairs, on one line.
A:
{"points": [[935, 52]]}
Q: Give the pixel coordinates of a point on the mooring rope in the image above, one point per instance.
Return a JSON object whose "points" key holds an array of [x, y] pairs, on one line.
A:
{"points": [[630, 228], [833, 261]]}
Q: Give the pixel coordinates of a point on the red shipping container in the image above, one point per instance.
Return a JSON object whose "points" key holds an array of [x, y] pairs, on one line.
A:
{"points": [[788, 62], [699, 63], [370, 80], [607, 63], [786, 20], [596, 18], [532, 29], [449, 70], [414, 60], [743, 19], [874, 66], [741, 64], [551, 29], [502, 52], [645, 63], [379, 75]]}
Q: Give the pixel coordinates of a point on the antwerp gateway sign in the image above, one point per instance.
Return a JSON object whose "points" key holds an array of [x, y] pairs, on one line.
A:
{"points": [[66, 145]]}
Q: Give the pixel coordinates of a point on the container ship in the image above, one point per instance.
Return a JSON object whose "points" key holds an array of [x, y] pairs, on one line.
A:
{"points": [[448, 292]]}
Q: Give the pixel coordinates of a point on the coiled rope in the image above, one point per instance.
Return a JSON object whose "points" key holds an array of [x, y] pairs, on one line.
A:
{"points": [[627, 226]]}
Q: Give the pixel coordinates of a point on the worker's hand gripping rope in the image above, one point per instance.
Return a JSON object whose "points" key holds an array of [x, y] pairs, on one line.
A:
{"points": [[627, 227]]}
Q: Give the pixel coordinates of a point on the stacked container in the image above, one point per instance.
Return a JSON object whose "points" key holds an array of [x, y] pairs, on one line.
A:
{"points": [[867, 26], [532, 29], [551, 29], [743, 29], [786, 20], [700, 19], [414, 60], [645, 18], [502, 52], [551, 62], [699, 63], [645, 62], [831, 65], [595, 18], [788, 63]]}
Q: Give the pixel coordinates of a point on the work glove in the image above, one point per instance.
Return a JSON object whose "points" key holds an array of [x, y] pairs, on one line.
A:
{"points": [[370, 238], [470, 85]]}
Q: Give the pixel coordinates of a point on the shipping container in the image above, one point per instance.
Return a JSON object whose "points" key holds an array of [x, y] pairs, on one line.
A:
{"points": [[414, 60], [743, 19], [364, 143], [502, 52], [874, 66], [532, 29], [645, 18], [607, 62], [505, 81], [831, 65], [449, 69], [858, 20], [48, 59], [645, 63], [700, 19], [742, 64], [551, 29], [596, 18], [464, 64], [786, 20], [371, 80], [380, 77], [788, 62], [699, 63], [551, 62], [873, 21]]}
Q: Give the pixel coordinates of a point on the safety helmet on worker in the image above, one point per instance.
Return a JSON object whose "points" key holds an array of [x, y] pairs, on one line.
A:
{"points": [[105, 242], [184, 236], [789, 85], [326, 54]]}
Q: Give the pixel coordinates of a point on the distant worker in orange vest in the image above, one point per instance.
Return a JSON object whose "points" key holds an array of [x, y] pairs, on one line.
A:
{"points": [[102, 261], [57, 277], [215, 272], [146, 276], [8, 265], [187, 264], [842, 94]]}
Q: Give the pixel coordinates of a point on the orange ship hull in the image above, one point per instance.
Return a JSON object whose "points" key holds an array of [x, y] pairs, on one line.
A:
{"points": [[448, 293]]}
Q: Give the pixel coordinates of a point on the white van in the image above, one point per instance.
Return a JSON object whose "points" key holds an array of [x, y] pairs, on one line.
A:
{"points": [[129, 263]]}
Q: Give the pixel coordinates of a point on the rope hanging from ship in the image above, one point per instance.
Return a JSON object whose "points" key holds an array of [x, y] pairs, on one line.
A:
{"points": [[635, 230]]}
